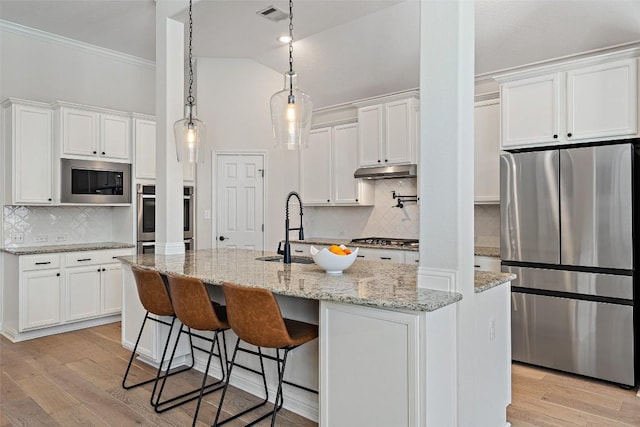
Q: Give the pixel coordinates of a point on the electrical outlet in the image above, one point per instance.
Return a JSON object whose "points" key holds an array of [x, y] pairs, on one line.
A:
{"points": [[207, 214], [61, 238], [17, 238], [41, 238], [492, 330]]}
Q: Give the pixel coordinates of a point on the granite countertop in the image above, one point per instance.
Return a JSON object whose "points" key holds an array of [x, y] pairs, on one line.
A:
{"points": [[347, 242], [368, 283], [477, 250], [486, 251], [485, 280], [76, 247]]}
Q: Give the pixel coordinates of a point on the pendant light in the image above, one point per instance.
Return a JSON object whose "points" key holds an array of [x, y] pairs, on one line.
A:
{"points": [[291, 108], [190, 131]]}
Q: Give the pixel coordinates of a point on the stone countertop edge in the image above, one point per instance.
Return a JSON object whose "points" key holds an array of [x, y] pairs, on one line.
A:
{"points": [[76, 247], [477, 250], [486, 251], [485, 280], [366, 283]]}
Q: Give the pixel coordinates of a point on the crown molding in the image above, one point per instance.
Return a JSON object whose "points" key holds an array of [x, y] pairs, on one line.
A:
{"points": [[65, 41]]}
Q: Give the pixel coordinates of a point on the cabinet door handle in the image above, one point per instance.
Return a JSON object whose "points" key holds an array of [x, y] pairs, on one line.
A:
{"points": [[103, 153], [43, 263], [360, 256], [98, 269], [385, 160], [555, 136], [385, 257], [476, 266], [84, 259], [569, 134], [95, 152], [417, 260], [298, 251], [104, 269], [58, 274], [49, 199], [379, 161]]}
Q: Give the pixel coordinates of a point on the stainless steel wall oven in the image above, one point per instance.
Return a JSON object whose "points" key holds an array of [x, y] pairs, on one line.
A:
{"points": [[147, 217]]}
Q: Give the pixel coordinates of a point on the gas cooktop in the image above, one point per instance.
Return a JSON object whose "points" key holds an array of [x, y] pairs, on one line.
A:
{"points": [[386, 241]]}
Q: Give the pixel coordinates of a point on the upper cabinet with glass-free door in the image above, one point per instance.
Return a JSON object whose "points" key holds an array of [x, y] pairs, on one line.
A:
{"points": [[93, 133], [388, 130], [581, 101]]}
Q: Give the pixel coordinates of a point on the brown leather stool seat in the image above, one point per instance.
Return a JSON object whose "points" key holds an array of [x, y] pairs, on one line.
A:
{"points": [[154, 297], [196, 312], [254, 315]]}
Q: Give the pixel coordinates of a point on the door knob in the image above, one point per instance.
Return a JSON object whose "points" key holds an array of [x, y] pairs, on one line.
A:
{"points": [[222, 238]]}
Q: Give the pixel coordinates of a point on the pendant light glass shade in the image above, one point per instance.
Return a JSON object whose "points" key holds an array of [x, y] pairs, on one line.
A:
{"points": [[190, 133], [291, 115], [291, 108]]}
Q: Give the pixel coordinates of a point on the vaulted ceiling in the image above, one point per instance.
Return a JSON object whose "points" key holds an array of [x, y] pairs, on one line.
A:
{"points": [[345, 49]]}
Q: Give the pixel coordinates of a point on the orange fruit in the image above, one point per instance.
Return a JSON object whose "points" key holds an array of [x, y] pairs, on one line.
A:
{"points": [[335, 249], [347, 251]]}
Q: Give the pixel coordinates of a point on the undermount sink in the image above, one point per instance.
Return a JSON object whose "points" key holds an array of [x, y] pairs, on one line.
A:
{"points": [[294, 259]]}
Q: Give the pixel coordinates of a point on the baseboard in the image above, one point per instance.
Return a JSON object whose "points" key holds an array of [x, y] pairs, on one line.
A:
{"points": [[15, 336], [301, 402]]}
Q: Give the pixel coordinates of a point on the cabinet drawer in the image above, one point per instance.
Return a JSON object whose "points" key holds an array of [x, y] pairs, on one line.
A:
{"points": [[381, 255], [74, 259], [39, 262], [411, 257]]}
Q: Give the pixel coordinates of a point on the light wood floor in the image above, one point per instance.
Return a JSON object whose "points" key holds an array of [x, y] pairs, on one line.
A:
{"points": [[73, 379]]}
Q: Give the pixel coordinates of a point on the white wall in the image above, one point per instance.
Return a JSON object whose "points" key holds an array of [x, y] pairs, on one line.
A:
{"points": [[41, 67], [233, 100]]}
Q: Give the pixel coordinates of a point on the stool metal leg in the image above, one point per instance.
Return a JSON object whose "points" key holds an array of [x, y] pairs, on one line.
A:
{"points": [[277, 405], [157, 404], [204, 377], [135, 348], [193, 394], [226, 386]]}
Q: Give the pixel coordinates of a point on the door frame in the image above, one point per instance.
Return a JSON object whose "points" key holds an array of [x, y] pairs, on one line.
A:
{"points": [[215, 154]]}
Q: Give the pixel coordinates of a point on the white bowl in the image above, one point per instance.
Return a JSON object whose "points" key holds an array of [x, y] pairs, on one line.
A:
{"points": [[332, 263]]}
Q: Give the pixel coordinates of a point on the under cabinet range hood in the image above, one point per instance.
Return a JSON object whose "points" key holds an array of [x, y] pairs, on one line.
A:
{"points": [[384, 172]]}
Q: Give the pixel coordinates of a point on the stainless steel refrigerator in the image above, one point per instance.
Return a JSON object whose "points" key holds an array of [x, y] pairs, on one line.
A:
{"points": [[567, 228]]}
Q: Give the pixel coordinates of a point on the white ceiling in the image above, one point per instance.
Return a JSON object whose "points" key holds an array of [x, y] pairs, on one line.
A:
{"points": [[345, 49]]}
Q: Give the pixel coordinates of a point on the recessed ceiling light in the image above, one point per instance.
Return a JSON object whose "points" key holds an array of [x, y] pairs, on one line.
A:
{"points": [[284, 39]]}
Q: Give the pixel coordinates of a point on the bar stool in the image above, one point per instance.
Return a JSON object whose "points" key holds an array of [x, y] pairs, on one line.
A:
{"points": [[196, 311], [154, 297], [254, 315]]}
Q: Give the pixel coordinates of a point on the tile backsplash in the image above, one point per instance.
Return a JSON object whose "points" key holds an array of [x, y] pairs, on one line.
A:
{"points": [[48, 225], [487, 225], [385, 220]]}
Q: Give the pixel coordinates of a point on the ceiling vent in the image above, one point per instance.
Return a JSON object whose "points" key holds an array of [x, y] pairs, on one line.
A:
{"points": [[274, 14]]}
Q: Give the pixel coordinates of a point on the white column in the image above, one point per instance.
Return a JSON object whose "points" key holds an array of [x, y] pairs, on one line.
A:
{"points": [[446, 171], [169, 108]]}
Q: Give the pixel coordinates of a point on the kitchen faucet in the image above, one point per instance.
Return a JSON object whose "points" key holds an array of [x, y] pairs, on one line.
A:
{"points": [[287, 246]]}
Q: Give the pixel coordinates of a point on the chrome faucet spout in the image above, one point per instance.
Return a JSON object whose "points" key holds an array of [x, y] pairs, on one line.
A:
{"points": [[286, 252]]}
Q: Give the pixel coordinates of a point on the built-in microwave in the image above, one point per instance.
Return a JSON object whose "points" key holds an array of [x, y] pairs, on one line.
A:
{"points": [[95, 182]]}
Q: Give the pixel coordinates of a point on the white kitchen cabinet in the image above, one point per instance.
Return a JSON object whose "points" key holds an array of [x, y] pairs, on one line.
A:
{"points": [[144, 139], [40, 291], [390, 255], [602, 101], [315, 168], [581, 104], [486, 263], [412, 257], [93, 284], [94, 135], [487, 152], [388, 132], [327, 167], [82, 289], [27, 158]]}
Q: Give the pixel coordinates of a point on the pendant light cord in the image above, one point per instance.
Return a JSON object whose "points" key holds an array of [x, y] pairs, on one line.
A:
{"points": [[291, 48], [190, 99]]}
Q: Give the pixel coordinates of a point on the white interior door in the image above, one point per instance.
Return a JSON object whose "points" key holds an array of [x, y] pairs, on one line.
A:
{"points": [[240, 201]]}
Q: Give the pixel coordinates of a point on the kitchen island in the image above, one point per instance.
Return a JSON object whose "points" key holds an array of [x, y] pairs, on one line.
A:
{"points": [[385, 354]]}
